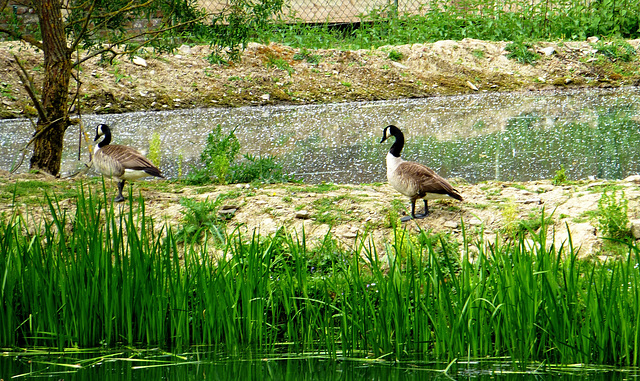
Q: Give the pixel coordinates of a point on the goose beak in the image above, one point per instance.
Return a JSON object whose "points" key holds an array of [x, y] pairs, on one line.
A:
{"points": [[384, 135]]}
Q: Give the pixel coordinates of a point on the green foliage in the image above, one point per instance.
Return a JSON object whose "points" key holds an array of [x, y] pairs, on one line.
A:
{"points": [[304, 54], [220, 166], [155, 149], [100, 277], [560, 176], [232, 29], [280, 63], [616, 50], [219, 152], [264, 169], [395, 55], [613, 220], [201, 220], [521, 52]]}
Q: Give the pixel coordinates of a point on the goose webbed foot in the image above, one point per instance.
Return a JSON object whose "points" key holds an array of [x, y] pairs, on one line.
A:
{"points": [[413, 212]]}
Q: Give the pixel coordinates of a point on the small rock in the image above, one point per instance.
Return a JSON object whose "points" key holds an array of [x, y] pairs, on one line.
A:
{"points": [[472, 86], [635, 228], [227, 213], [633, 179], [139, 61], [265, 97], [303, 214], [592, 39], [399, 65], [533, 201], [185, 49], [548, 51], [451, 224], [350, 235], [229, 207], [474, 221]]}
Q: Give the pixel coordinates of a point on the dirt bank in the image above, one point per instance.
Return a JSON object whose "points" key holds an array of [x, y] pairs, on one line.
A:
{"points": [[277, 74]]}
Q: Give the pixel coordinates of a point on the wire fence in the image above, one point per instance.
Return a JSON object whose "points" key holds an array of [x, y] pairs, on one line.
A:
{"points": [[331, 11], [350, 11]]}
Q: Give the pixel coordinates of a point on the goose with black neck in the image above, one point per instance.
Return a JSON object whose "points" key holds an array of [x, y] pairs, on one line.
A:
{"points": [[120, 162], [414, 180]]}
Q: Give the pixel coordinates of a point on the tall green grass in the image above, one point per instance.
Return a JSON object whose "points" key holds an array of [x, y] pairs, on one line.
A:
{"points": [[106, 275]]}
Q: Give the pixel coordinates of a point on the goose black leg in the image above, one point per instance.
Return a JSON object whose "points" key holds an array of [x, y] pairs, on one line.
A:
{"points": [[426, 211], [120, 197], [413, 213]]}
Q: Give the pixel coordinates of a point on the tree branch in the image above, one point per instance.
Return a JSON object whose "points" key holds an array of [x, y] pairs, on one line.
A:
{"points": [[22, 37], [85, 26], [27, 82], [154, 34]]}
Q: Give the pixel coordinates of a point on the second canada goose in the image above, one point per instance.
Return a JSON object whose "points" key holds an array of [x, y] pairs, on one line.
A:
{"points": [[412, 179], [120, 162]]}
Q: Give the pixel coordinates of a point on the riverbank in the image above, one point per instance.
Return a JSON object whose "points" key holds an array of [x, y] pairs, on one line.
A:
{"points": [[492, 211], [277, 74]]}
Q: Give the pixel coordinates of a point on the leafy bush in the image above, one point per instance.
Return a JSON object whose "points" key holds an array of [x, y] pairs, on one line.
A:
{"points": [[219, 160], [560, 177], [613, 221], [616, 50], [520, 52], [217, 156], [256, 168]]}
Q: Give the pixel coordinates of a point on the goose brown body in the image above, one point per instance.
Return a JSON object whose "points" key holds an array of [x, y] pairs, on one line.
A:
{"points": [[414, 180], [120, 162]]}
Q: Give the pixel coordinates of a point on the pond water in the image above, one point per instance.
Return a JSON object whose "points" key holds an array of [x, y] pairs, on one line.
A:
{"points": [[514, 136], [161, 366]]}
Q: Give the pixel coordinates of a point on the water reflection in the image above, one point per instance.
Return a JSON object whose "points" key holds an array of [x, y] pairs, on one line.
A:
{"points": [[593, 133], [283, 369]]}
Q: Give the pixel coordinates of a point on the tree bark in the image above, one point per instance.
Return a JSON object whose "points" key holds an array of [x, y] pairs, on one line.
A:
{"points": [[47, 151]]}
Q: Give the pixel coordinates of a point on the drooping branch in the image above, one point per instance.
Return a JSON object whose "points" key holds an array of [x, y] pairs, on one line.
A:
{"points": [[27, 82], [154, 36]]}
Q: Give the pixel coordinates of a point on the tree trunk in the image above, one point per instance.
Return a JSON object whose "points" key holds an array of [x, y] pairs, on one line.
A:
{"points": [[47, 151]]}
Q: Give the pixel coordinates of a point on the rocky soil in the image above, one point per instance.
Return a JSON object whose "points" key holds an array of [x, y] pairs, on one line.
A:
{"points": [[491, 212], [275, 74]]}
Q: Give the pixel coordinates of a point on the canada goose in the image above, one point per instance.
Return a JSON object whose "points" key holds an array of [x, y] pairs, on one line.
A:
{"points": [[412, 179], [120, 162]]}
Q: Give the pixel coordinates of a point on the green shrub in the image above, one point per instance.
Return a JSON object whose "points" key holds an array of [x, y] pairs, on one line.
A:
{"points": [[220, 151], [616, 50], [255, 168], [395, 55], [220, 166], [560, 177], [613, 221], [520, 52]]}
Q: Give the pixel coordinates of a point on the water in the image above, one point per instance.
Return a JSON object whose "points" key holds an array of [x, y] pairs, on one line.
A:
{"points": [[521, 136], [130, 367]]}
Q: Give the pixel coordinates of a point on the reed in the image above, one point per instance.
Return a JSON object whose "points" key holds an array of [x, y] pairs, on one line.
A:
{"points": [[106, 275]]}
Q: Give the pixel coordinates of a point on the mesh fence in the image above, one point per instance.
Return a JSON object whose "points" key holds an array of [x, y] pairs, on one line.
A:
{"points": [[349, 11], [330, 11]]}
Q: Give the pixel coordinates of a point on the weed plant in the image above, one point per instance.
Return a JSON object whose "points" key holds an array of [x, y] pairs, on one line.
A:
{"points": [[219, 163], [613, 220], [105, 275]]}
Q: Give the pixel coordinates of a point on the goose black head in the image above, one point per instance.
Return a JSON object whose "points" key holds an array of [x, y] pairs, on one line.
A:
{"points": [[394, 131], [103, 130]]}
